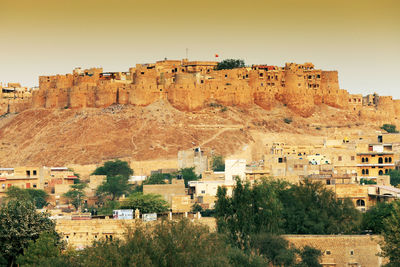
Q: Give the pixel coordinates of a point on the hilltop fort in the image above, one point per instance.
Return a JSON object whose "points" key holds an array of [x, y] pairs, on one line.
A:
{"points": [[190, 85]]}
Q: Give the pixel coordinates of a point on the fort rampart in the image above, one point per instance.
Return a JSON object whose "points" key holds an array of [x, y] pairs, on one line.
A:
{"points": [[190, 86]]}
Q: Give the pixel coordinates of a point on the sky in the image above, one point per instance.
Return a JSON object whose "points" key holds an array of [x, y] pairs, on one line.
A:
{"points": [[359, 38]]}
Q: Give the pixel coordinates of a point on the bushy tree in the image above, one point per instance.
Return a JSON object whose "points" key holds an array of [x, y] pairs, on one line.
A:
{"points": [[114, 168], [391, 235], [188, 175], [168, 244], [158, 178], [76, 194], [390, 128], [230, 64], [311, 208], [47, 248], [37, 196], [218, 164], [373, 219], [146, 203], [250, 210], [20, 224], [394, 177], [114, 186]]}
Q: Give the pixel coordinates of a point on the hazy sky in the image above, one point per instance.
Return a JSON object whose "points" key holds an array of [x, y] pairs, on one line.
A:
{"points": [[359, 38]]}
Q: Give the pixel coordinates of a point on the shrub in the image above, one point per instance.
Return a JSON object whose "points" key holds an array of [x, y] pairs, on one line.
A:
{"points": [[287, 120], [390, 128]]}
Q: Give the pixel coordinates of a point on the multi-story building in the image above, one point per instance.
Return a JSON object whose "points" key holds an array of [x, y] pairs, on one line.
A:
{"points": [[375, 160]]}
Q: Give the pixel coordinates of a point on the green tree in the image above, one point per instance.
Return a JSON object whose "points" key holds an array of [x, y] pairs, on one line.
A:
{"points": [[311, 208], [390, 128], [20, 224], [46, 248], [391, 235], [197, 208], [367, 181], [373, 219], [188, 175], [250, 210], [394, 177], [114, 168], [179, 243], [146, 203], [218, 163], [114, 186], [108, 207], [76, 194], [37, 196], [157, 178], [230, 64]]}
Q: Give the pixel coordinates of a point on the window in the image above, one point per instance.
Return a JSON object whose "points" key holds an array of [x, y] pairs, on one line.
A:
{"points": [[363, 171], [380, 172], [360, 203], [328, 252], [203, 191], [280, 160], [390, 159], [34, 172], [34, 185], [366, 159], [3, 186], [366, 171], [340, 158], [351, 252], [362, 159], [380, 160], [28, 173]]}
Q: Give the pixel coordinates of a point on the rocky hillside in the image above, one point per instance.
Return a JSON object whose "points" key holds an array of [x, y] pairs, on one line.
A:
{"points": [[54, 137]]}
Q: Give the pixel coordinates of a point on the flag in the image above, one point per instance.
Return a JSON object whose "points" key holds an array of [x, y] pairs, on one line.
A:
{"points": [[216, 55]]}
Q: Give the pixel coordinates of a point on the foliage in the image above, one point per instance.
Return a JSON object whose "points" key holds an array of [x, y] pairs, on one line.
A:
{"points": [[158, 178], [394, 177], [224, 109], [367, 181], [114, 168], [46, 247], [197, 208], [390, 128], [287, 120], [391, 235], [37, 196], [114, 186], [249, 211], [19, 224], [76, 194], [311, 208], [373, 219], [218, 164], [188, 175], [148, 203], [230, 64], [277, 207], [108, 207], [169, 244]]}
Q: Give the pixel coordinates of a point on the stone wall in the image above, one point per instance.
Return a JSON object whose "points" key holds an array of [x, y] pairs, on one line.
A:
{"points": [[191, 86], [343, 250]]}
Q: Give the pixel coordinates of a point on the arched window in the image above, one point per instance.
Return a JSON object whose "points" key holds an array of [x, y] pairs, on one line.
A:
{"points": [[390, 159], [386, 160], [380, 172], [366, 171], [363, 171], [362, 159], [380, 160], [386, 171], [366, 159], [360, 203]]}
